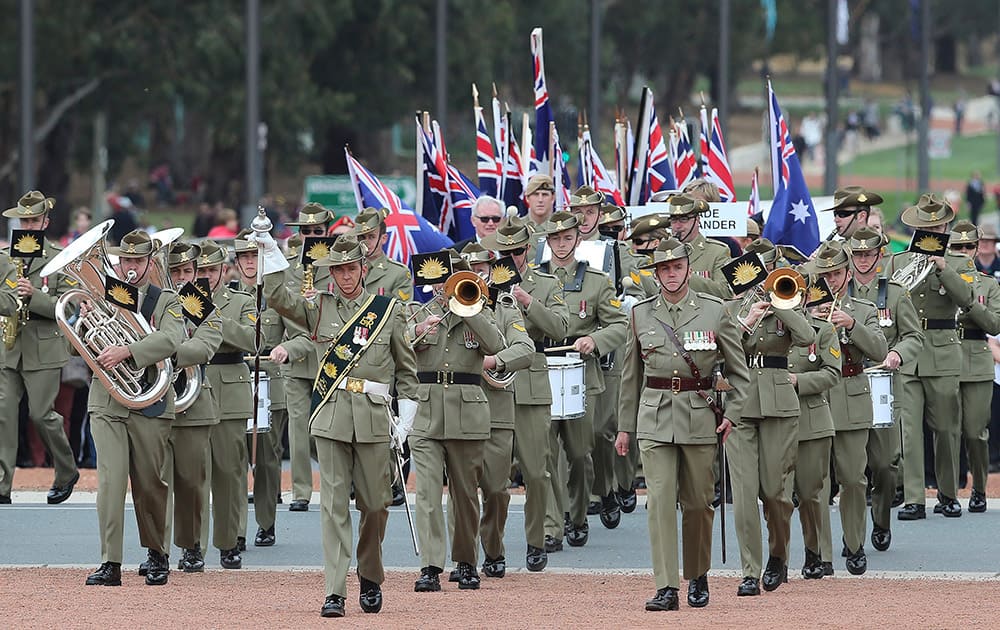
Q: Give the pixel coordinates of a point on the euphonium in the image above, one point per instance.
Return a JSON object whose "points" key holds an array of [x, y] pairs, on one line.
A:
{"points": [[192, 381], [914, 272], [104, 325], [492, 377], [783, 289], [12, 324]]}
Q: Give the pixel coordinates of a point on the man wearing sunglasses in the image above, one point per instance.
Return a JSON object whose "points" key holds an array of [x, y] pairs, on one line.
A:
{"points": [[647, 232], [976, 381], [851, 207], [486, 215]]}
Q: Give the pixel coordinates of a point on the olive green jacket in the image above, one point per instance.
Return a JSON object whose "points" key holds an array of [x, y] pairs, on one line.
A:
{"points": [[545, 316], [707, 258], [817, 369], [198, 348], [516, 357], [901, 328], [984, 314], [851, 398], [771, 393], [272, 333], [231, 381], [683, 417], [389, 278]]}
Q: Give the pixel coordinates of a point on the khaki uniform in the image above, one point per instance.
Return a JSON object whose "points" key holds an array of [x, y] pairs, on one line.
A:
{"points": [[185, 469], [981, 319], [817, 369], [389, 278], [676, 429], [352, 429], [762, 446], [131, 448], [499, 448], [33, 367], [230, 378], [931, 383], [267, 465], [903, 334], [851, 397], [450, 430], [707, 259], [300, 372], [545, 316], [593, 311], [8, 419]]}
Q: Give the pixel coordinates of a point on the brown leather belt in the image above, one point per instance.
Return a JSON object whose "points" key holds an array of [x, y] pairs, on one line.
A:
{"points": [[852, 369], [450, 378], [677, 384]]}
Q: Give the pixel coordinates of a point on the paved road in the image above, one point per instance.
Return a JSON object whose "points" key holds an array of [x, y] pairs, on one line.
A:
{"points": [[39, 534]]}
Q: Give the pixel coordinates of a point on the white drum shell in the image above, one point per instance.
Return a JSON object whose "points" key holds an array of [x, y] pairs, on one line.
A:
{"points": [[569, 392], [880, 384], [263, 406]]}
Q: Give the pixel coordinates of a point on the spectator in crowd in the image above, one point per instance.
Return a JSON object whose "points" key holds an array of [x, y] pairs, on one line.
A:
{"points": [[227, 225], [161, 180], [134, 194], [986, 255], [342, 225], [124, 216], [959, 108], [811, 130], [975, 196], [871, 120], [81, 223], [204, 221], [876, 219]]}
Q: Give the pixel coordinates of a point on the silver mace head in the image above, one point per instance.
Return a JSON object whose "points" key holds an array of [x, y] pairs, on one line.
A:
{"points": [[261, 224]]}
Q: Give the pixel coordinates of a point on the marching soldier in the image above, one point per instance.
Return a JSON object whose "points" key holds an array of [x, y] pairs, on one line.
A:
{"points": [[586, 203], [540, 196], [499, 448], [646, 232], [303, 365], [597, 325], [36, 350], [930, 389], [229, 376], [188, 452], [539, 298], [862, 343], [852, 205], [385, 277], [980, 319], [132, 443], [267, 463], [667, 402], [451, 429], [901, 327], [763, 445], [364, 344], [813, 370], [707, 256], [8, 421]]}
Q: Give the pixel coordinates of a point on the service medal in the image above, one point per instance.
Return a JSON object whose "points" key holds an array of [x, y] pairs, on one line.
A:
{"points": [[45, 289], [942, 290], [812, 353], [583, 309], [780, 330], [711, 341], [687, 340]]}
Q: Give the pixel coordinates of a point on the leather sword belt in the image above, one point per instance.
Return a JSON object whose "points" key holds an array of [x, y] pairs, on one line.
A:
{"points": [[450, 378], [938, 324], [764, 361], [851, 369], [227, 358], [364, 386], [974, 333], [677, 384]]}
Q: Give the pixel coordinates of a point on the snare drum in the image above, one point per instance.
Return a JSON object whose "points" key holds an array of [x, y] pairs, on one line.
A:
{"points": [[263, 405], [569, 394], [880, 383]]}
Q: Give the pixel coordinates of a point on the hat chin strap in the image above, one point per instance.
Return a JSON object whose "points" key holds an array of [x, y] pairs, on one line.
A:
{"points": [[685, 238], [870, 268]]}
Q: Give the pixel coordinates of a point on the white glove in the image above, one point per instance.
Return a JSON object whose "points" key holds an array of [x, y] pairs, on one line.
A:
{"points": [[271, 258], [407, 413]]}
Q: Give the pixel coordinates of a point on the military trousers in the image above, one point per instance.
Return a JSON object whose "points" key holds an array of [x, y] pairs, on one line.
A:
{"points": [[976, 398], [531, 445], [936, 400], [185, 470], [228, 482], [883, 462], [850, 457], [605, 431], [577, 438], [130, 450], [42, 387], [463, 460], [367, 467], [267, 471], [679, 472], [298, 392], [812, 474], [761, 459], [495, 481]]}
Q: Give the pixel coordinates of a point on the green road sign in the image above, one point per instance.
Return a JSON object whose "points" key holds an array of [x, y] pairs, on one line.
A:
{"points": [[336, 193]]}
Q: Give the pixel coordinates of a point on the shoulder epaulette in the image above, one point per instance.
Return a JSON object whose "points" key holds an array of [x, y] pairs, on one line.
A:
{"points": [[709, 297]]}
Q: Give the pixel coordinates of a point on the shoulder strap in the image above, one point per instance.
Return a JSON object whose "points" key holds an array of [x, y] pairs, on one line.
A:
{"points": [[883, 288], [149, 301]]}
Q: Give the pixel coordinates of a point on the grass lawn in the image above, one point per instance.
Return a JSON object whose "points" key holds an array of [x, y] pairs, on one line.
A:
{"points": [[968, 153]]}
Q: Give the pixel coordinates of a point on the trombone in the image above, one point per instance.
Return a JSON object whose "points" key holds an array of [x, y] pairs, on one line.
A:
{"points": [[466, 292], [783, 289]]}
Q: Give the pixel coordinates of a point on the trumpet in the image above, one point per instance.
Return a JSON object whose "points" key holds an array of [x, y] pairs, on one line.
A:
{"points": [[783, 289], [466, 292]]}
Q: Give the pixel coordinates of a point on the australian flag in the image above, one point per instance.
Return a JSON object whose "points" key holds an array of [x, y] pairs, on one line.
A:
{"points": [[543, 110], [409, 233], [488, 165], [792, 220]]}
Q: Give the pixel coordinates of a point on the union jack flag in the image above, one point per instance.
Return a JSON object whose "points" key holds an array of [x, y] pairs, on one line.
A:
{"points": [[714, 162], [408, 232], [560, 177], [753, 207], [488, 165], [435, 182], [593, 172], [792, 219], [543, 110], [514, 176], [685, 166], [661, 166]]}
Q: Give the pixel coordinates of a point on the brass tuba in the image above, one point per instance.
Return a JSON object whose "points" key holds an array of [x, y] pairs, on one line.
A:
{"points": [[783, 288], [192, 380], [104, 325]]}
